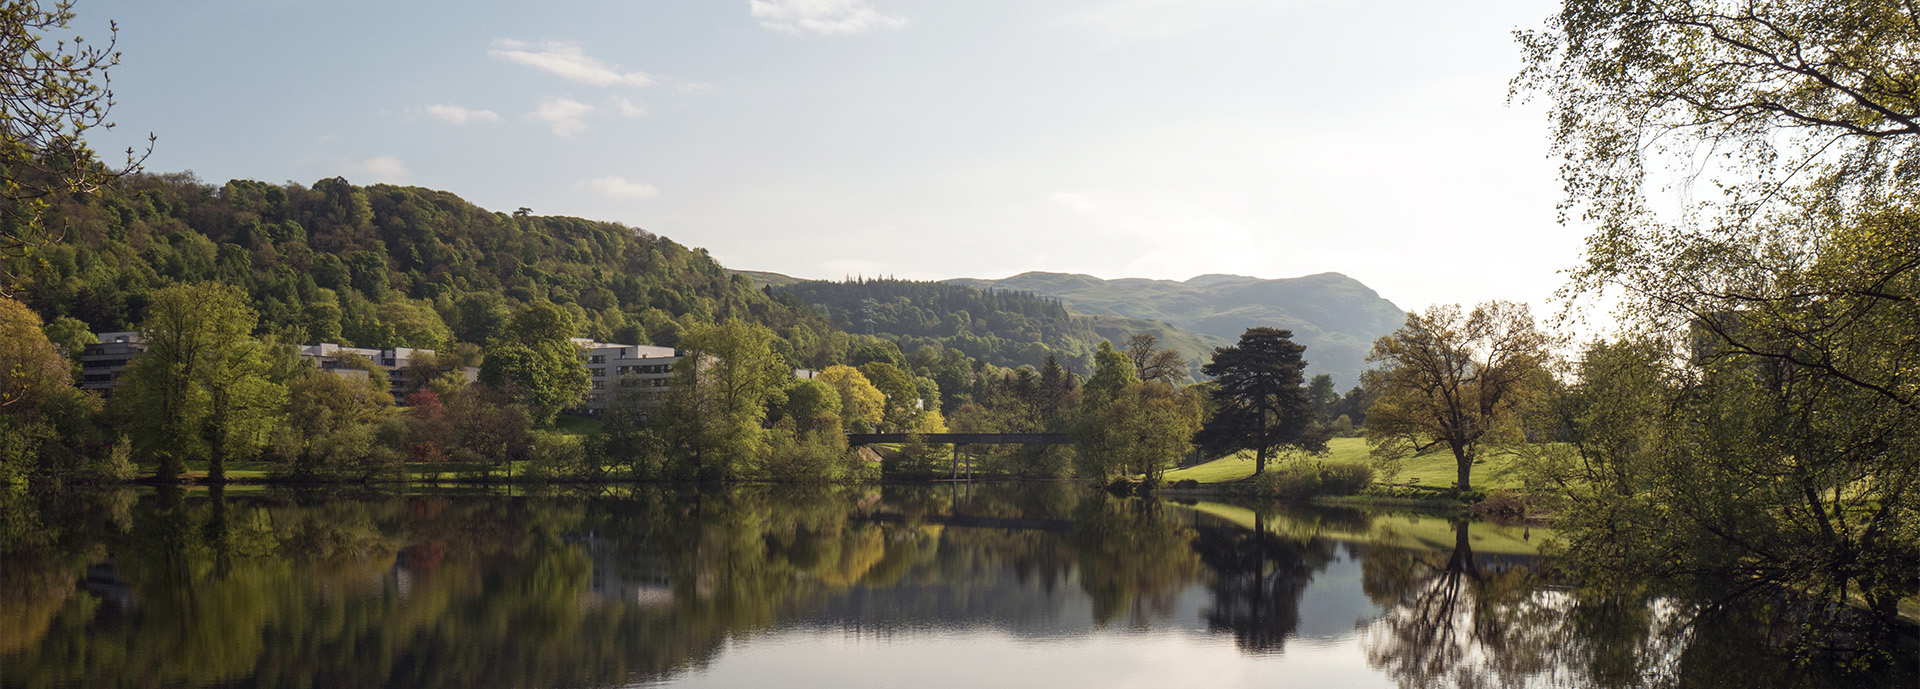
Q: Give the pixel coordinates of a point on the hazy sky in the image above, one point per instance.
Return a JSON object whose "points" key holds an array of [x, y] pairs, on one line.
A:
{"points": [[826, 138]]}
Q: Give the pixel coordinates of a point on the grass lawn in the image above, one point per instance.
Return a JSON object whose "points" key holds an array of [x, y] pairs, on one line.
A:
{"points": [[574, 425], [1434, 469], [1239, 466], [235, 470]]}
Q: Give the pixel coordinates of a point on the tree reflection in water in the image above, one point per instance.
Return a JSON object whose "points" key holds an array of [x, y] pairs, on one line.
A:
{"points": [[1258, 579], [638, 585]]}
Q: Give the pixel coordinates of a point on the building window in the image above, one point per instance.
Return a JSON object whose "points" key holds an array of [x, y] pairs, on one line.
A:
{"points": [[599, 372], [599, 385], [597, 359]]}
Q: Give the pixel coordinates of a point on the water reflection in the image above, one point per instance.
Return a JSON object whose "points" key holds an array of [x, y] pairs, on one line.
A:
{"points": [[616, 586]]}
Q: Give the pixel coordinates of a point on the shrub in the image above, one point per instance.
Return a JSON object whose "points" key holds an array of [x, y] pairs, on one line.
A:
{"points": [[1501, 506], [1308, 479]]}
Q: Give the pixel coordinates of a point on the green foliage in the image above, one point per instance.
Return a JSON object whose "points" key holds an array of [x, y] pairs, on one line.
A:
{"points": [[1308, 478], [361, 265], [1455, 380], [201, 388], [1141, 429], [536, 364], [1773, 321], [1334, 315], [53, 92], [1112, 373], [1260, 399], [812, 405], [1004, 328], [721, 391]]}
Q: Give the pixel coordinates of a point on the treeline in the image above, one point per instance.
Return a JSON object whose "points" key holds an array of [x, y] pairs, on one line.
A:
{"points": [[383, 266], [1010, 329]]}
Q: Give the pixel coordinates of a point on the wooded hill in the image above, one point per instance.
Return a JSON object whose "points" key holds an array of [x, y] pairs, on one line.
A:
{"points": [[1009, 328], [384, 266], [1335, 316]]}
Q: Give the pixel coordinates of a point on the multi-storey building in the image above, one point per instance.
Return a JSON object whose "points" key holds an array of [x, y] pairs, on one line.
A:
{"points": [[101, 364], [641, 369], [394, 361]]}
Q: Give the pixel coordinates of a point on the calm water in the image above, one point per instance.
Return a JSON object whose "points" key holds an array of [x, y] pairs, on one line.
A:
{"points": [[994, 586]]}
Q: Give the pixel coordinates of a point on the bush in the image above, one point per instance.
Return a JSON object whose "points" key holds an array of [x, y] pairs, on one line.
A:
{"points": [[1501, 506], [1308, 479], [554, 456]]}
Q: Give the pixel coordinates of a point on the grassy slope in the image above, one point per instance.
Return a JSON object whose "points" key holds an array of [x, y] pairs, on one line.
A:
{"points": [[1424, 532], [1432, 470]]}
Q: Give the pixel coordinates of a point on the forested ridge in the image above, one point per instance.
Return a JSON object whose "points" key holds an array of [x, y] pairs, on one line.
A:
{"points": [[1009, 328], [384, 265]]}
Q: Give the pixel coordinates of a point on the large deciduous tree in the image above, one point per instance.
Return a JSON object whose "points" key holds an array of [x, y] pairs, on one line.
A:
{"points": [[201, 388], [1785, 302], [1456, 380], [719, 399], [1150, 362], [1260, 398], [861, 404], [536, 361]]}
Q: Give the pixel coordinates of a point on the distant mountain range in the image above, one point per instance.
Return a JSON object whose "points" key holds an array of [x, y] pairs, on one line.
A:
{"points": [[1336, 317]]}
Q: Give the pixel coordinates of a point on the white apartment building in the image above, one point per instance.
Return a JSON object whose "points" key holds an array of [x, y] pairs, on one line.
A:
{"points": [[611, 365], [101, 364]]}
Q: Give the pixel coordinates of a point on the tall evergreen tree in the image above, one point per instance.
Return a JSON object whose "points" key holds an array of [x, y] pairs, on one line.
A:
{"points": [[1261, 401]]}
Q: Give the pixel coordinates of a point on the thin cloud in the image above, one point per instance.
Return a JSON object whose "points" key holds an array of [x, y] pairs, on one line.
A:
{"points": [[619, 187], [828, 17], [454, 114], [567, 61], [1160, 19], [381, 169], [626, 107], [565, 116]]}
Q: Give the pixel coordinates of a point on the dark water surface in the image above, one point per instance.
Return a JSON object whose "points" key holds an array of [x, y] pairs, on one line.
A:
{"points": [[947, 586]]}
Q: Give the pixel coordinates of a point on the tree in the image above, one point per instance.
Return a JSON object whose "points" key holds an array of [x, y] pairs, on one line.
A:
{"points": [[201, 387], [1326, 402], [44, 421], [902, 395], [1143, 429], [50, 95], [813, 405], [1784, 301], [1152, 363], [538, 363], [1260, 399], [861, 404], [720, 395], [1455, 379], [1112, 373]]}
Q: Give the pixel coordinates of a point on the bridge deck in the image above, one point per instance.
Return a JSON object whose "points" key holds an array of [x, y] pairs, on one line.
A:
{"points": [[963, 438]]}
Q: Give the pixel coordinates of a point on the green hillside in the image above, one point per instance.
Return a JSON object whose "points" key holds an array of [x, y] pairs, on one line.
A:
{"points": [[385, 266], [1008, 328], [1335, 316]]}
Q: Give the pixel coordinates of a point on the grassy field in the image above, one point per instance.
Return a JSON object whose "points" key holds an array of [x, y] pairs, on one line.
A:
{"points": [[1433, 469], [574, 425], [1405, 530]]}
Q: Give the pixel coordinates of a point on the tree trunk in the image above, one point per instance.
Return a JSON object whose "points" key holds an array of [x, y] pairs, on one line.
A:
{"points": [[1259, 460], [1465, 463]]}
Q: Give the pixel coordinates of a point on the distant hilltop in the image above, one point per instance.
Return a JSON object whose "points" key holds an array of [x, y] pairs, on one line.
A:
{"points": [[1335, 316]]}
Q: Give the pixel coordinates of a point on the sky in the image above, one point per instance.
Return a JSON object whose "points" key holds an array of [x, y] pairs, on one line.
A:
{"points": [[908, 138]]}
